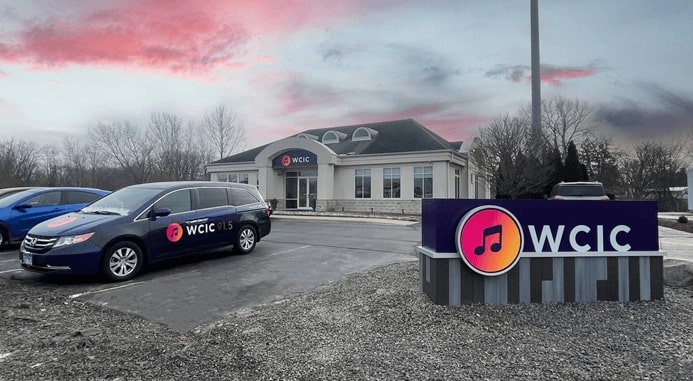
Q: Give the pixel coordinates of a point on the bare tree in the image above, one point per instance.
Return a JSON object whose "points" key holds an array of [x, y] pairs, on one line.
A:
{"points": [[652, 171], [19, 163], [562, 120], [502, 153], [177, 155], [127, 147], [50, 161], [75, 162], [224, 131]]}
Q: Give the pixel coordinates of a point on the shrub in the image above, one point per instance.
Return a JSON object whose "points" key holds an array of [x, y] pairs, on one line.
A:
{"points": [[683, 219]]}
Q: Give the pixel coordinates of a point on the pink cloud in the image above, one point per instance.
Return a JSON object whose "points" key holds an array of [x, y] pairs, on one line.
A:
{"points": [[177, 36], [554, 75]]}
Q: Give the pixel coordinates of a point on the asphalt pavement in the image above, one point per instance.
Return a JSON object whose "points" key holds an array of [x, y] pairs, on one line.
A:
{"points": [[678, 261]]}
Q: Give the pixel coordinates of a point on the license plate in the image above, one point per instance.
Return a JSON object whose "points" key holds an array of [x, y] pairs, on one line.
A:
{"points": [[27, 259]]}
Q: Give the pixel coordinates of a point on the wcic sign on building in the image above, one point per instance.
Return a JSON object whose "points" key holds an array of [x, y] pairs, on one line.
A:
{"points": [[522, 251], [295, 158]]}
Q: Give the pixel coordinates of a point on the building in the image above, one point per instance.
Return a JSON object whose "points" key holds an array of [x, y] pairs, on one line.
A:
{"points": [[386, 167]]}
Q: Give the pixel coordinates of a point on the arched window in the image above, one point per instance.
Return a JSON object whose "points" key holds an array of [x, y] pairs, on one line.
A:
{"points": [[363, 133], [330, 137]]}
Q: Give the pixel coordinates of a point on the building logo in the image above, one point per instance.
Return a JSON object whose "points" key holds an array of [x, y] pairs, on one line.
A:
{"points": [[489, 239], [174, 232], [286, 160]]}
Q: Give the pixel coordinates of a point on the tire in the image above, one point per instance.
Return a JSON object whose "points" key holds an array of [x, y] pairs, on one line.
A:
{"points": [[245, 240], [122, 261], [4, 238]]}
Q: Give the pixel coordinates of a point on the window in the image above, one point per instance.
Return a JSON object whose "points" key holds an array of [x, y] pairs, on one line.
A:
{"points": [[242, 197], [177, 202], [391, 182], [77, 197], [212, 197], [233, 178], [457, 183], [330, 137], [362, 182], [423, 182], [363, 133], [45, 199]]}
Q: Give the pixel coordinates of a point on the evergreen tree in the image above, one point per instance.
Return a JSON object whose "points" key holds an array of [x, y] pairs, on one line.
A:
{"points": [[574, 171]]}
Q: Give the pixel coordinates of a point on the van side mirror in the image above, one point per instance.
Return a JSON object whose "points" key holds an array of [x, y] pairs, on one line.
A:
{"points": [[159, 212]]}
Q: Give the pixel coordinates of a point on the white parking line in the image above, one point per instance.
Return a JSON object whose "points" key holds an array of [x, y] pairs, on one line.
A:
{"points": [[103, 290], [10, 271], [290, 250], [9, 260]]}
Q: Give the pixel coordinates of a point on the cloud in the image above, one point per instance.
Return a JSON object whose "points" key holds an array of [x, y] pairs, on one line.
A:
{"points": [[669, 114], [184, 37], [553, 75]]}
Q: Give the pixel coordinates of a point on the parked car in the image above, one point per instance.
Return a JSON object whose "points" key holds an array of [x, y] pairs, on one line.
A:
{"points": [[581, 190], [146, 223], [20, 211]]}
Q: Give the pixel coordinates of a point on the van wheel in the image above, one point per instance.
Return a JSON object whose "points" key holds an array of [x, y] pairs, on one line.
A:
{"points": [[122, 261], [245, 240]]}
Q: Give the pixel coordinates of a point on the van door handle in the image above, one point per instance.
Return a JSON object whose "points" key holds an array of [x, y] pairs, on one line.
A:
{"points": [[198, 221]]}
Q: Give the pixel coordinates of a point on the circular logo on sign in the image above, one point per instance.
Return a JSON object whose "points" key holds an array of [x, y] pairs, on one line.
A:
{"points": [[61, 221], [286, 160], [174, 232], [489, 239]]}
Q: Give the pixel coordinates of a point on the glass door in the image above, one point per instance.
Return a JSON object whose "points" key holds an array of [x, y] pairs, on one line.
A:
{"points": [[301, 189], [303, 192]]}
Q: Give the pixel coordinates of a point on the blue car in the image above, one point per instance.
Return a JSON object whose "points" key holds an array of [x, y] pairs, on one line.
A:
{"points": [[140, 224], [20, 211]]}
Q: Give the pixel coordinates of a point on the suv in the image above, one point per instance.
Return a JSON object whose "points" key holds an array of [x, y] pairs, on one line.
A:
{"points": [[20, 211], [578, 191], [146, 223]]}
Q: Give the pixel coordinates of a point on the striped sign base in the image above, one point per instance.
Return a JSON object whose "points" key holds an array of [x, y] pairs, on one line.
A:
{"points": [[448, 281]]}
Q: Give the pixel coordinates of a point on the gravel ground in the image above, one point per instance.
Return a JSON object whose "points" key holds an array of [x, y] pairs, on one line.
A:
{"points": [[371, 326]]}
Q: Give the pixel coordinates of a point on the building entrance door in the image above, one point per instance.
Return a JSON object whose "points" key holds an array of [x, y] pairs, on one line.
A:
{"points": [[301, 190]]}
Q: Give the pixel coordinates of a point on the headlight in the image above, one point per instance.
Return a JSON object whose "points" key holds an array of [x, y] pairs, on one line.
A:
{"points": [[73, 239]]}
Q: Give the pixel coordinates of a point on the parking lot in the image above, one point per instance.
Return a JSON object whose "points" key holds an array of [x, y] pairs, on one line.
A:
{"points": [[298, 256]]}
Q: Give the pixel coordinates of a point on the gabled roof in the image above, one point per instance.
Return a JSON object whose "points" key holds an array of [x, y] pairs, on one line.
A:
{"points": [[398, 136]]}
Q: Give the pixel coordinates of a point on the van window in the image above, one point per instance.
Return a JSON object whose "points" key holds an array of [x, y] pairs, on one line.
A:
{"points": [[212, 197], [177, 202], [242, 197]]}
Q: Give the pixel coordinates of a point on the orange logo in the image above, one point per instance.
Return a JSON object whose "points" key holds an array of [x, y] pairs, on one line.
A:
{"points": [[489, 239], [174, 232], [286, 160]]}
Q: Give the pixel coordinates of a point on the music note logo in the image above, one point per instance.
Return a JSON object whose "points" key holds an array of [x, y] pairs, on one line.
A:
{"points": [[174, 232], [495, 230], [489, 239]]}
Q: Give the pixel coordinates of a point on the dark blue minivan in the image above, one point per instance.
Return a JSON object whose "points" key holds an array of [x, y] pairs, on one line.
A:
{"points": [[146, 223]]}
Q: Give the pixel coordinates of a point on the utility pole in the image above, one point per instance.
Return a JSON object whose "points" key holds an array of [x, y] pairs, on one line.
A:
{"points": [[536, 79]]}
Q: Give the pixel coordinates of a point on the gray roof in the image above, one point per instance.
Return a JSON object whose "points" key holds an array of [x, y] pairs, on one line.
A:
{"points": [[398, 136]]}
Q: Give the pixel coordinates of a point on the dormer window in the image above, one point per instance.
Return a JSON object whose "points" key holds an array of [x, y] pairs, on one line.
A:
{"points": [[363, 133], [330, 137]]}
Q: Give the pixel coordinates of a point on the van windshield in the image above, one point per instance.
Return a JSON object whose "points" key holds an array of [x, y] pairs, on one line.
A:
{"points": [[122, 202]]}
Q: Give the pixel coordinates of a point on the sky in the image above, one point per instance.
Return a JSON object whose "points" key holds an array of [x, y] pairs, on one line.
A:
{"points": [[285, 66]]}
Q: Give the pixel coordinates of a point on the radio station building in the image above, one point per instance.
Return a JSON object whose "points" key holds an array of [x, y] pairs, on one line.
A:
{"points": [[386, 167]]}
